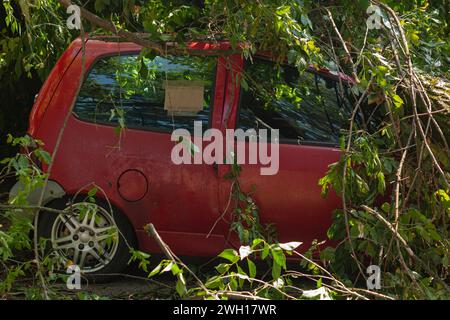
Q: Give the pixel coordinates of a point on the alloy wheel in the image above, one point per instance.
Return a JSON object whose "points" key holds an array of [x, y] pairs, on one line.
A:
{"points": [[86, 236]]}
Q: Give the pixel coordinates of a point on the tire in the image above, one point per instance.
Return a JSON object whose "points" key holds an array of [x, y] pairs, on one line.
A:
{"points": [[103, 245]]}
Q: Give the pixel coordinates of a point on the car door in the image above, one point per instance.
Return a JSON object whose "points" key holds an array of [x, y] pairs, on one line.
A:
{"points": [[309, 111], [127, 124]]}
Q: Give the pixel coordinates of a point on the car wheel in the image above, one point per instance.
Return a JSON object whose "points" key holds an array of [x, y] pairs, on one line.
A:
{"points": [[88, 235]]}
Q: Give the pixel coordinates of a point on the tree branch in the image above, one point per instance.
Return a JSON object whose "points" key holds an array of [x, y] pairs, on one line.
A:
{"points": [[406, 246], [109, 26]]}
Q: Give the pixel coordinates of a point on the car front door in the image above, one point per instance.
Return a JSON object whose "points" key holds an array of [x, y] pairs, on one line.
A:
{"points": [[309, 111]]}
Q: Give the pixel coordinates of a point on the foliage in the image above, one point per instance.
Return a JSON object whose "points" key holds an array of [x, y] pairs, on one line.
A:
{"points": [[32, 36], [394, 180], [15, 238]]}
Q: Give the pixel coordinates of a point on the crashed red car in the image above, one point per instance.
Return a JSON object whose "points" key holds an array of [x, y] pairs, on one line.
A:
{"points": [[132, 168]]}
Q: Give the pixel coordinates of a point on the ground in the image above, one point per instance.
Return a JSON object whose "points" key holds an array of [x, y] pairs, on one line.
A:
{"points": [[128, 287]]}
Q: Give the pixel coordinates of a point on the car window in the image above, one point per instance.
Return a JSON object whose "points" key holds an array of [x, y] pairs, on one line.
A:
{"points": [[304, 107], [161, 94]]}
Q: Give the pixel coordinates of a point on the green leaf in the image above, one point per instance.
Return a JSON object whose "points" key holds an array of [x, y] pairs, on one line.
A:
{"points": [[43, 155], [256, 242], [327, 254], [319, 283], [283, 10], [230, 255], [265, 252], [381, 186], [276, 270], [291, 56], [241, 271], [279, 257], [223, 268], [398, 102], [251, 268], [386, 207], [155, 270], [214, 282], [306, 21], [92, 192], [181, 285], [363, 4], [176, 270], [383, 69]]}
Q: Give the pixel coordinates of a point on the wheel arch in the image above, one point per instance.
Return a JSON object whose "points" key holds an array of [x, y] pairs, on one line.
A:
{"points": [[53, 190]]}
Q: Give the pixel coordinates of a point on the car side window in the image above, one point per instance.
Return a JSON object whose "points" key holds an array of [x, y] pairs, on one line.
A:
{"points": [[161, 94], [305, 108]]}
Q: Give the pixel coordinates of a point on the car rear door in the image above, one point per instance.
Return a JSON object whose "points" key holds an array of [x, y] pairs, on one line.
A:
{"points": [[120, 139]]}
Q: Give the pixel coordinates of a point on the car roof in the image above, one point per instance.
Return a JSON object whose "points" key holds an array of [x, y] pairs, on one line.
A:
{"points": [[209, 47]]}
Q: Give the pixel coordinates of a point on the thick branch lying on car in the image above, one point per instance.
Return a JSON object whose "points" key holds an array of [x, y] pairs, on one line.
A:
{"points": [[139, 38], [109, 26]]}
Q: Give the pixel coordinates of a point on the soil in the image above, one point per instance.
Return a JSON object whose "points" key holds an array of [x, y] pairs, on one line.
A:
{"points": [[128, 288]]}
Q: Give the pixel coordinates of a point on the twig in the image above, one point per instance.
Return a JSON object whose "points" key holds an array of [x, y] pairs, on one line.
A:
{"points": [[224, 211], [344, 45], [330, 275], [150, 229], [42, 208]]}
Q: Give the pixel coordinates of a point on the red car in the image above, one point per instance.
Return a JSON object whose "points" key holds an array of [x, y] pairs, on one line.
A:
{"points": [[133, 169]]}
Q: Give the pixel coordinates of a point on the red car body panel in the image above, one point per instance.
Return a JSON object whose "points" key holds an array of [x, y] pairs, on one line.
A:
{"points": [[137, 175]]}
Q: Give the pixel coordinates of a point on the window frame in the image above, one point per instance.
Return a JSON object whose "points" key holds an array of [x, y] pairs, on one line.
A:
{"points": [[289, 141], [146, 128]]}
